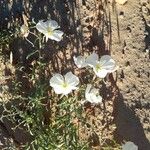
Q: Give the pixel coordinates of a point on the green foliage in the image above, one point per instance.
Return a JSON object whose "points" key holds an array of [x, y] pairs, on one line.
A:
{"points": [[48, 118], [54, 131]]}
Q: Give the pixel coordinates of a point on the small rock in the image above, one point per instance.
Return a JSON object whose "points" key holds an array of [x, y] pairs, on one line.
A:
{"points": [[145, 10], [147, 50], [121, 2]]}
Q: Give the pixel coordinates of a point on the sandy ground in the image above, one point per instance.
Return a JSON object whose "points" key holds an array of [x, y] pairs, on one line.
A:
{"points": [[121, 30], [133, 55]]}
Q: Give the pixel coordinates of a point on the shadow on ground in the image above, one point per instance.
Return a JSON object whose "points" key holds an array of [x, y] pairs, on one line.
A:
{"points": [[128, 125]]}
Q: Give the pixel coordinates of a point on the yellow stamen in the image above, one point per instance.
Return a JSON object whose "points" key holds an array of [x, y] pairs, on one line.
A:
{"points": [[50, 31], [64, 85], [98, 67]]}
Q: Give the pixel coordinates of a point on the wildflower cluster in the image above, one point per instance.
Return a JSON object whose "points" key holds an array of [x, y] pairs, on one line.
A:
{"points": [[64, 84], [101, 67], [69, 82]]}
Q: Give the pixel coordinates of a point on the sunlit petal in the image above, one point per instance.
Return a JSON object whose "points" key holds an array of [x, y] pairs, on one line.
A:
{"points": [[56, 80], [41, 26], [56, 35], [101, 73], [107, 63], [105, 58], [80, 61], [92, 95], [52, 24], [92, 59], [71, 79], [67, 90], [58, 89]]}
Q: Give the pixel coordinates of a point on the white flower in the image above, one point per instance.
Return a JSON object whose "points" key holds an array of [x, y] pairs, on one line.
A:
{"points": [[80, 61], [92, 94], [103, 66], [49, 29], [64, 84], [24, 30], [129, 146]]}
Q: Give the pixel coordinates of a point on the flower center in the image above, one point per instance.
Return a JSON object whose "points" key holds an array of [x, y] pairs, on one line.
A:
{"points": [[98, 67], [50, 31], [64, 85]]}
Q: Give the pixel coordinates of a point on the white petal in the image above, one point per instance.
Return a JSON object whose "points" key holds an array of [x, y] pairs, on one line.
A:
{"points": [[58, 89], [107, 63], [95, 99], [56, 35], [57, 80], [105, 58], [62, 90], [67, 90], [101, 73], [52, 24], [94, 91], [92, 94], [92, 59], [80, 61], [41, 26], [98, 99], [71, 79], [129, 146]]}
